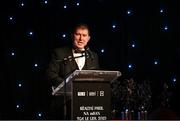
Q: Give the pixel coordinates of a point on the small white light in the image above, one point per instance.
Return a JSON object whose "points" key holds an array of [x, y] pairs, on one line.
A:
{"points": [[22, 4], [30, 33], [65, 6], [17, 106], [19, 85], [128, 12], [130, 66], [64, 35], [113, 26], [39, 114], [77, 3], [36, 65], [133, 45], [174, 79], [166, 28], [102, 50], [155, 62], [10, 18], [161, 11], [45, 1], [12, 53]]}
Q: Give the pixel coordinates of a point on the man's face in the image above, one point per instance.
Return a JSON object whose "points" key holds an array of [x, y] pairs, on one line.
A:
{"points": [[81, 38]]}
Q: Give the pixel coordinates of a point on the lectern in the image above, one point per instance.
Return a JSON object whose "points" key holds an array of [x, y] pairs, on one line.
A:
{"points": [[90, 93]]}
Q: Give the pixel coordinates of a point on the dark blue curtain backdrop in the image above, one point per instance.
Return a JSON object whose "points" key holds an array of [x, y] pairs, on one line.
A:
{"points": [[139, 38]]}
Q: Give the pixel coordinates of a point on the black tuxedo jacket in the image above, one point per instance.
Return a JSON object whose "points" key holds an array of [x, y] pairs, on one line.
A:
{"points": [[60, 67]]}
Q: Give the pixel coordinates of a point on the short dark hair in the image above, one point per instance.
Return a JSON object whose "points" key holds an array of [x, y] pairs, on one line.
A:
{"points": [[81, 26]]}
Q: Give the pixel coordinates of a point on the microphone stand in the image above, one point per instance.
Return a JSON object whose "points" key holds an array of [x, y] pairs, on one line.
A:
{"points": [[65, 105], [64, 62]]}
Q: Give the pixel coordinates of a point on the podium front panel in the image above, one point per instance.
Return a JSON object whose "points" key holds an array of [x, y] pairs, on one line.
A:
{"points": [[91, 100]]}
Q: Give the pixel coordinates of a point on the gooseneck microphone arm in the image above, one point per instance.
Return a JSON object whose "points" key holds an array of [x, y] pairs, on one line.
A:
{"points": [[70, 58]]}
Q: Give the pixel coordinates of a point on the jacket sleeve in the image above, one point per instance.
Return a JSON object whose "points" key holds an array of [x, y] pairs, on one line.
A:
{"points": [[52, 72], [96, 61]]}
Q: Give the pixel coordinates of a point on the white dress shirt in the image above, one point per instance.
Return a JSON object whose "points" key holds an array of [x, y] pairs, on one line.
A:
{"points": [[80, 60]]}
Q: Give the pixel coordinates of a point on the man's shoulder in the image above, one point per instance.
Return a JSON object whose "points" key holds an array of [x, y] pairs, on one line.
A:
{"points": [[93, 52], [62, 49], [62, 52]]}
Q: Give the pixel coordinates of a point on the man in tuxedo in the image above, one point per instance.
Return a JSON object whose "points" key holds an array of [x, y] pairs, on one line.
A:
{"points": [[65, 60]]}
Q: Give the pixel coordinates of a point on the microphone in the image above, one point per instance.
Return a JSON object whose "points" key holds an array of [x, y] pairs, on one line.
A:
{"points": [[69, 58], [87, 52]]}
